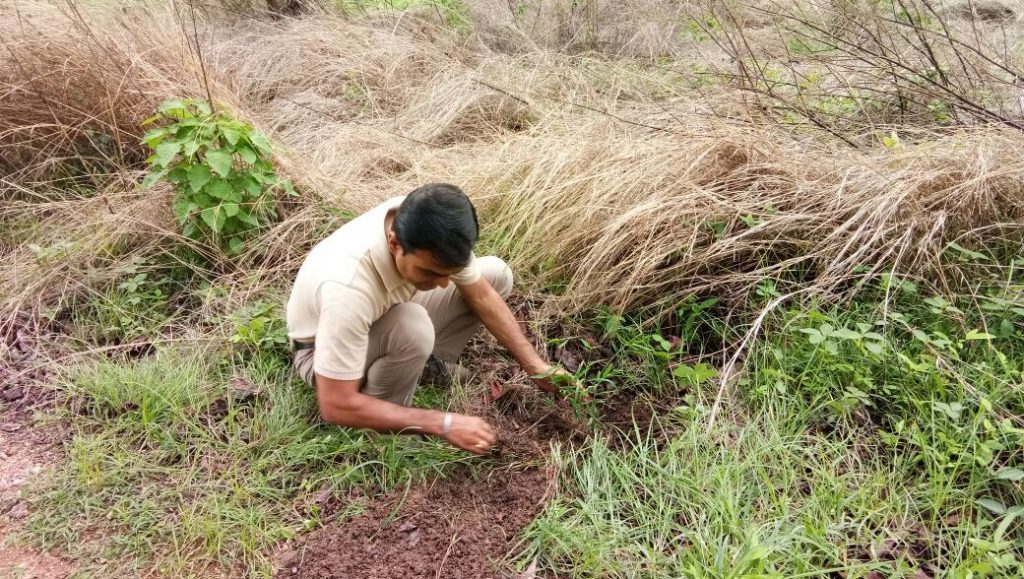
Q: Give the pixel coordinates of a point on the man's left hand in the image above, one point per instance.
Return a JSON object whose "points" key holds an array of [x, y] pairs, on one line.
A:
{"points": [[557, 381]]}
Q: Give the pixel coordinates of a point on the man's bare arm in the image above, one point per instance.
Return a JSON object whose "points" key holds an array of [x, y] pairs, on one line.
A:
{"points": [[341, 403], [492, 310], [496, 316]]}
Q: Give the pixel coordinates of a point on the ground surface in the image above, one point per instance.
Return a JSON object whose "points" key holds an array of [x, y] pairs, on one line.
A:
{"points": [[458, 528], [26, 452]]}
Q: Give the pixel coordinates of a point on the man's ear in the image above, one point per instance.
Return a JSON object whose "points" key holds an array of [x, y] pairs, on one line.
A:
{"points": [[393, 244]]}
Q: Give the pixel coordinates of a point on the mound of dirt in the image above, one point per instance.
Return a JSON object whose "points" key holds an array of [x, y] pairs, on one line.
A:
{"points": [[458, 528]]}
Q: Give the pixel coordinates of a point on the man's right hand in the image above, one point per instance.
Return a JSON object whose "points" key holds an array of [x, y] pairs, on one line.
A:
{"points": [[470, 433], [341, 403]]}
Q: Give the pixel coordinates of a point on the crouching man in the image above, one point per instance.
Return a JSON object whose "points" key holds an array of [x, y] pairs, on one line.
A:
{"points": [[373, 301]]}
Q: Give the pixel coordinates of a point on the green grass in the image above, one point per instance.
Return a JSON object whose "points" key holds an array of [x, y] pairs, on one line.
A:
{"points": [[881, 437], [761, 499]]}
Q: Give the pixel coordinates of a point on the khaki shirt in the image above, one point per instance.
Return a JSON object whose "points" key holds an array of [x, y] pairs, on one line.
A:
{"points": [[346, 283]]}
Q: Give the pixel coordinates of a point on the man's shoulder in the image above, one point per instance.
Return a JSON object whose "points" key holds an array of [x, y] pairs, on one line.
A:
{"points": [[362, 226], [357, 295]]}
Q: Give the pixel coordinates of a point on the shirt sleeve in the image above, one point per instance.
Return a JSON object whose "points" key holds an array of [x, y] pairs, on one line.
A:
{"points": [[342, 332], [468, 275]]}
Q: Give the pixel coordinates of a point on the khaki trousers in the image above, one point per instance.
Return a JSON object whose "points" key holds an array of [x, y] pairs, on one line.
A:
{"points": [[435, 322]]}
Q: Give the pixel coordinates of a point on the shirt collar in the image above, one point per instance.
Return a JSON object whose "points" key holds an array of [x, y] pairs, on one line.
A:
{"points": [[382, 259]]}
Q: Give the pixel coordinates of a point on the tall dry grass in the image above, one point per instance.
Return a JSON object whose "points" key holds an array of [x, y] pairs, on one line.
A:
{"points": [[585, 177]]}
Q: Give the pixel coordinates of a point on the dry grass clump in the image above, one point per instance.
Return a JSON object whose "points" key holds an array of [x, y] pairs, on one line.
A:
{"points": [[81, 243], [643, 29], [75, 90], [636, 220]]}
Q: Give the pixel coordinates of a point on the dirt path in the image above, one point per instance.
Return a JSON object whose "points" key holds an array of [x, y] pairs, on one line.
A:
{"points": [[26, 452]]}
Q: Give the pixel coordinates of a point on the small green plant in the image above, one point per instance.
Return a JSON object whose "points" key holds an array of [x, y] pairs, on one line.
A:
{"points": [[694, 375], [940, 111], [260, 329], [696, 322], [224, 182], [135, 307], [839, 106], [892, 141], [50, 253], [803, 45], [701, 30], [572, 388], [717, 227]]}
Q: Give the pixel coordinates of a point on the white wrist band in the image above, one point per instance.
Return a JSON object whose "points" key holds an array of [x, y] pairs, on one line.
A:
{"points": [[446, 423]]}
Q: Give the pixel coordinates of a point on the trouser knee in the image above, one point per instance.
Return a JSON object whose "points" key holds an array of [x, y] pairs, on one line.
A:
{"points": [[413, 333], [497, 273]]}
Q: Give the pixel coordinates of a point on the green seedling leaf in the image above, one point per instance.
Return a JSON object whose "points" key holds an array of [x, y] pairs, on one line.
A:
{"points": [[814, 336], [219, 189], [694, 375], [154, 137], [230, 135], [718, 227], [891, 141], [978, 335], [212, 217], [1010, 474], [259, 141], [248, 218], [198, 176], [992, 505], [966, 252], [246, 153], [662, 342], [170, 106]]}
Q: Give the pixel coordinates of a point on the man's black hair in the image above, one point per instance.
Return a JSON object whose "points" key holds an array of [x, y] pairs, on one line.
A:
{"points": [[438, 218]]}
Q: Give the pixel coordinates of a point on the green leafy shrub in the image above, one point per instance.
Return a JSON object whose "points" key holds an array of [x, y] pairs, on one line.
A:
{"points": [[219, 166]]}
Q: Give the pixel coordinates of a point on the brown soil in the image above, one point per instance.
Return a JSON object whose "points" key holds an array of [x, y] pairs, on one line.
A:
{"points": [[17, 561], [458, 528]]}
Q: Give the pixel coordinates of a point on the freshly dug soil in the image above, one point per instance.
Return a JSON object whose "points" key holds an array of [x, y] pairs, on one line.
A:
{"points": [[459, 528]]}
